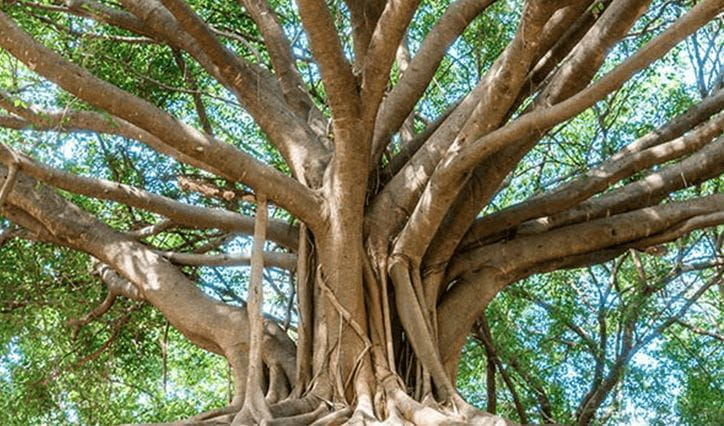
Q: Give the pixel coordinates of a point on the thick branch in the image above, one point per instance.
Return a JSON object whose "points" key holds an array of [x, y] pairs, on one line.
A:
{"points": [[385, 40], [523, 251], [456, 167], [483, 272], [180, 213], [287, 131], [401, 100], [216, 155], [629, 161], [562, 35], [705, 164], [143, 272], [339, 82], [364, 16], [392, 206], [272, 259], [280, 53]]}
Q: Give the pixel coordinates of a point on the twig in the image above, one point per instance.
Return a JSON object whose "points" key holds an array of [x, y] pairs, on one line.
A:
{"points": [[117, 326], [99, 311]]}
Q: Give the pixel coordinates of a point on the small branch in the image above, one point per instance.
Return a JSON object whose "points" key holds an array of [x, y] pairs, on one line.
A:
{"points": [[151, 230], [272, 259], [98, 36], [97, 312], [117, 326], [91, 9], [699, 330], [483, 335], [116, 284], [208, 188], [196, 96]]}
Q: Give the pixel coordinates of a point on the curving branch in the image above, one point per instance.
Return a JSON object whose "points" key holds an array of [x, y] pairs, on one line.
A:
{"points": [[36, 119], [380, 55], [272, 259], [702, 165], [102, 13], [455, 168], [635, 157], [481, 273], [179, 213], [401, 100], [213, 154], [586, 237], [339, 81]]}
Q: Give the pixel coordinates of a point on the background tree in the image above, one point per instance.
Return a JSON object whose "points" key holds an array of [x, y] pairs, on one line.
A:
{"points": [[602, 341], [418, 160]]}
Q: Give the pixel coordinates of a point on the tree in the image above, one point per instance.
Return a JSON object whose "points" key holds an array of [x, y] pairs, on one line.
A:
{"points": [[569, 357], [387, 217]]}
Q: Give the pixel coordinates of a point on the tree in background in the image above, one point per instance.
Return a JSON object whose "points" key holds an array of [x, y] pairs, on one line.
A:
{"points": [[577, 346], [408, 161]]}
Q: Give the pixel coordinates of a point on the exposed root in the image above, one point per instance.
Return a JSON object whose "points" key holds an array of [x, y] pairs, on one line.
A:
{"points": [[293, 407], [400, 409], [301, 419], [245, 417], [278, 386], [417, 324], [256, 409], [421, 415], [363, 413], [334, 418]]}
